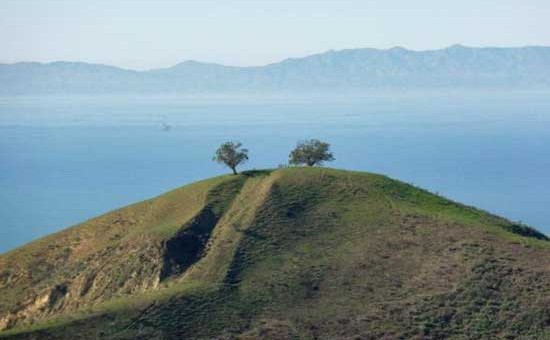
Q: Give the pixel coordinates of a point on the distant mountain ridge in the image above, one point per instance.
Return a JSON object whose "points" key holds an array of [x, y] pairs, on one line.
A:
{"points": [[346, 70]]}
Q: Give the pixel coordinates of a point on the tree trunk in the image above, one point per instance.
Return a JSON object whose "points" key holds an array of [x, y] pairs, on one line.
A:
{"points": [[234, 170]]}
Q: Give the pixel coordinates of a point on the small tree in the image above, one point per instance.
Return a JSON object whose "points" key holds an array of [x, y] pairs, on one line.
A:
{"points": [[231, 154], [311, 152]]}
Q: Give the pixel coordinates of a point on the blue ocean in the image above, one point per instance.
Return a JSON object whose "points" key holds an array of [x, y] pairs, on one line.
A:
{"points": [[65, 159]]}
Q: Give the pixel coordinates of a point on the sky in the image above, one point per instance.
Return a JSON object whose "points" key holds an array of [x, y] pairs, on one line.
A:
{"points": [[150, 34]]}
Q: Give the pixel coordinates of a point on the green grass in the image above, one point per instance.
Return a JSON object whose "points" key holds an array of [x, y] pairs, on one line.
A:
{"points": [[290, 253]]}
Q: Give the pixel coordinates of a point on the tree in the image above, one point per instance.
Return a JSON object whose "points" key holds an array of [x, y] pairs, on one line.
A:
{"points": [[311, 152], [231, 154]]}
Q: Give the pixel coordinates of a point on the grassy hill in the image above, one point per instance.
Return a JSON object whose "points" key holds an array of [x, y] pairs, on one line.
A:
{"points": [[296, 253]]}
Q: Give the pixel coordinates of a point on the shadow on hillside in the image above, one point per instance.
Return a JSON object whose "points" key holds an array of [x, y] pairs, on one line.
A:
{"points": [[256, 173]]}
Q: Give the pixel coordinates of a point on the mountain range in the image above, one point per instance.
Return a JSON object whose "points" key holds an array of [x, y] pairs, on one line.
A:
{"points": [[352, 70]]}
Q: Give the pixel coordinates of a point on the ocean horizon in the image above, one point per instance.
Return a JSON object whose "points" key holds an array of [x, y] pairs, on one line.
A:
{"points": [[65, 159]]}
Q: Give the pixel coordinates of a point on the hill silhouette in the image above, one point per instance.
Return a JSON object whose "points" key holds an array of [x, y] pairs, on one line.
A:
{"points": [[348, 71]]}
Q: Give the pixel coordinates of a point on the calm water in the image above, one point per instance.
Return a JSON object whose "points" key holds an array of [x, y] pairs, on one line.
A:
{"points": [[66, 159]]}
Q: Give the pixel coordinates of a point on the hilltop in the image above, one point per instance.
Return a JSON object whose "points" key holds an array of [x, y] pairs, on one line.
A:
{"points": [[295, 253], [352, 70]]}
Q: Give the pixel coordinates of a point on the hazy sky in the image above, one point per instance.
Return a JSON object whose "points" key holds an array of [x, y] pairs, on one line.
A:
{"points": [[148, 34]]}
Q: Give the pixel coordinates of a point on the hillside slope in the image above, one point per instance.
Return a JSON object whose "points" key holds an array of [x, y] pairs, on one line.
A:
{"points": [[297, 253]]}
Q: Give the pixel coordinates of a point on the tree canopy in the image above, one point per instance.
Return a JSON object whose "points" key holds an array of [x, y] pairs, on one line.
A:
{"points": [[311, 152], [231, 154]]}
